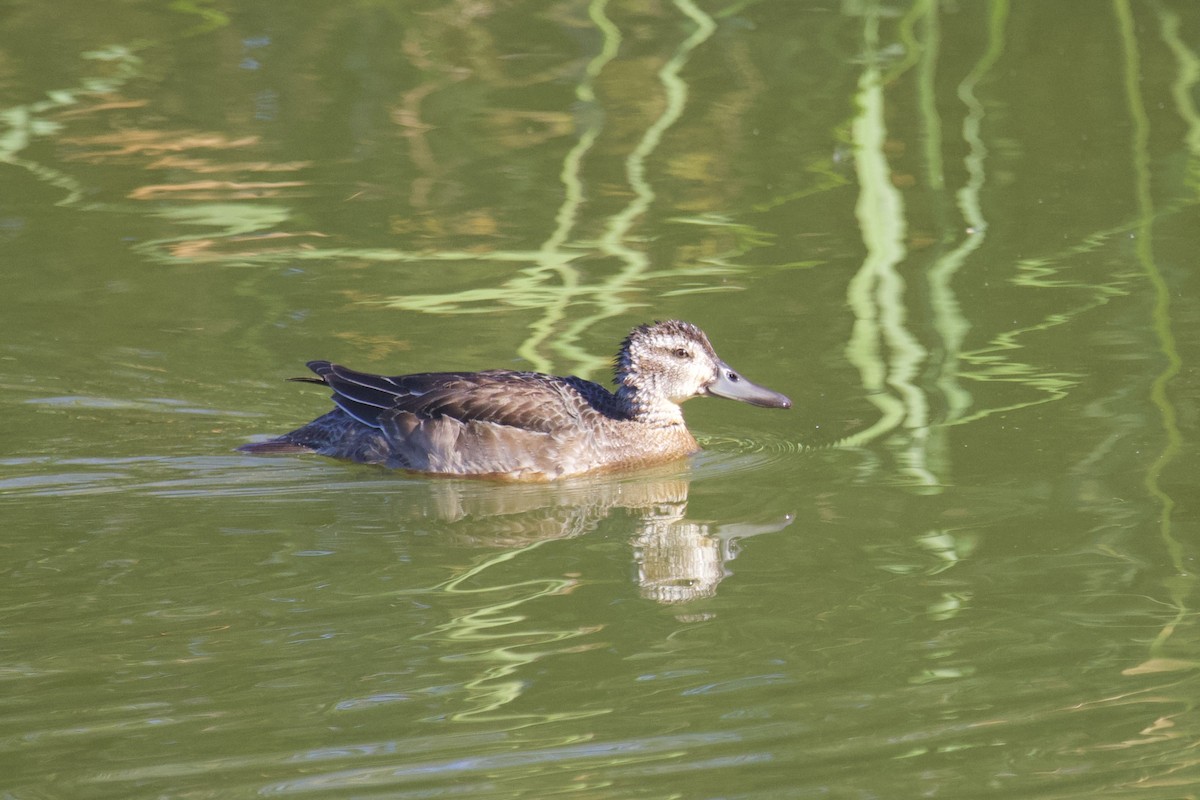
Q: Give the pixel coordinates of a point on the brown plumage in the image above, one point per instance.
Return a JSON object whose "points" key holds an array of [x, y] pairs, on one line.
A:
{"points": [[524, 425]]}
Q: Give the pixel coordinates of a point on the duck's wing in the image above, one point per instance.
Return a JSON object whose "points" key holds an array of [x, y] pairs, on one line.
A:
{"points": [[524, 400]]}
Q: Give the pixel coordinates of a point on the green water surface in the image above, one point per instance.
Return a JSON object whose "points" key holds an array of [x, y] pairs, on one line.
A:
{"points": [[963, 237]]}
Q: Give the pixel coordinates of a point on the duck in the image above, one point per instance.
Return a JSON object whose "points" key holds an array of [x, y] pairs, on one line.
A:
{"points": [[525, 426]]}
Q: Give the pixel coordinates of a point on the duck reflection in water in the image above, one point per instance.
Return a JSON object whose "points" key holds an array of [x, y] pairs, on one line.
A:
{"points": [[525, 426], [677, 559]]}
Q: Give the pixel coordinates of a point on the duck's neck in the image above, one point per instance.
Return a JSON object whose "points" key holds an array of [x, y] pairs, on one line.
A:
{"points": [[645, 404]]}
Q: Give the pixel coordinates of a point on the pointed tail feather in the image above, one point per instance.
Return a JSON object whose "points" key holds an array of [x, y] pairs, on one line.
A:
{"points": [[275, 447]]}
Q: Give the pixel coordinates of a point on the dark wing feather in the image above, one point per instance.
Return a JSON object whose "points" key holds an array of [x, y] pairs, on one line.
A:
{"points": [[525, 400], [360, 394]]}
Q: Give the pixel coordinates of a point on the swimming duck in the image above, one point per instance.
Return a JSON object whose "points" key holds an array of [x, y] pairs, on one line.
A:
{"points": [[525, 425]]}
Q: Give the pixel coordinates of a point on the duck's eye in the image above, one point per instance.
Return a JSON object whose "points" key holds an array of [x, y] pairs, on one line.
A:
{"points": [[733, 377], [682, 353]]}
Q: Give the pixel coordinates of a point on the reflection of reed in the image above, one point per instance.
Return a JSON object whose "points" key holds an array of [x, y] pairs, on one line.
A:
{"points": [[551, 284], [227, 217], [25, 123], [547, 280], [948, 318], [887, 354], [886, 348], [1182, 589]]}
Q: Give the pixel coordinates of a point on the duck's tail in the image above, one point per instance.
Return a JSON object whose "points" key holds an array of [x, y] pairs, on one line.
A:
{"points": [[274, 447]]}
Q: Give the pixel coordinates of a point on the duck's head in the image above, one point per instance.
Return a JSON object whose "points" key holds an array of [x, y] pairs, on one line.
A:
{"points": [[661, 365]]}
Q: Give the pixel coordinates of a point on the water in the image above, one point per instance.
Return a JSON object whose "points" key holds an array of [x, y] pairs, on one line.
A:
{"points": [[960, 237]]}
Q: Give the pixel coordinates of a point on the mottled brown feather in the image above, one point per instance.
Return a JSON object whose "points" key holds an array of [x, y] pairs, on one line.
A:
{"points": [[525, 400]]}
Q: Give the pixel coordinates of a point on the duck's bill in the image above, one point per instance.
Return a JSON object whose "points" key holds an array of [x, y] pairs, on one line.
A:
{"points": [[731, 385]]}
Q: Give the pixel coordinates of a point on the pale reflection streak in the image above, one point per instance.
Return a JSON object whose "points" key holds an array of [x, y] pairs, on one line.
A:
{"points": [[1183, 88], [922, 52], [949, 322], [876, 293], [22, 124], [637, 267], [548, 284], [230, 232], [994, 362], [554, 311], [886, 352], [551, 285], [888, 355], [1185, 583], [493, 632], [25, 123]]}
